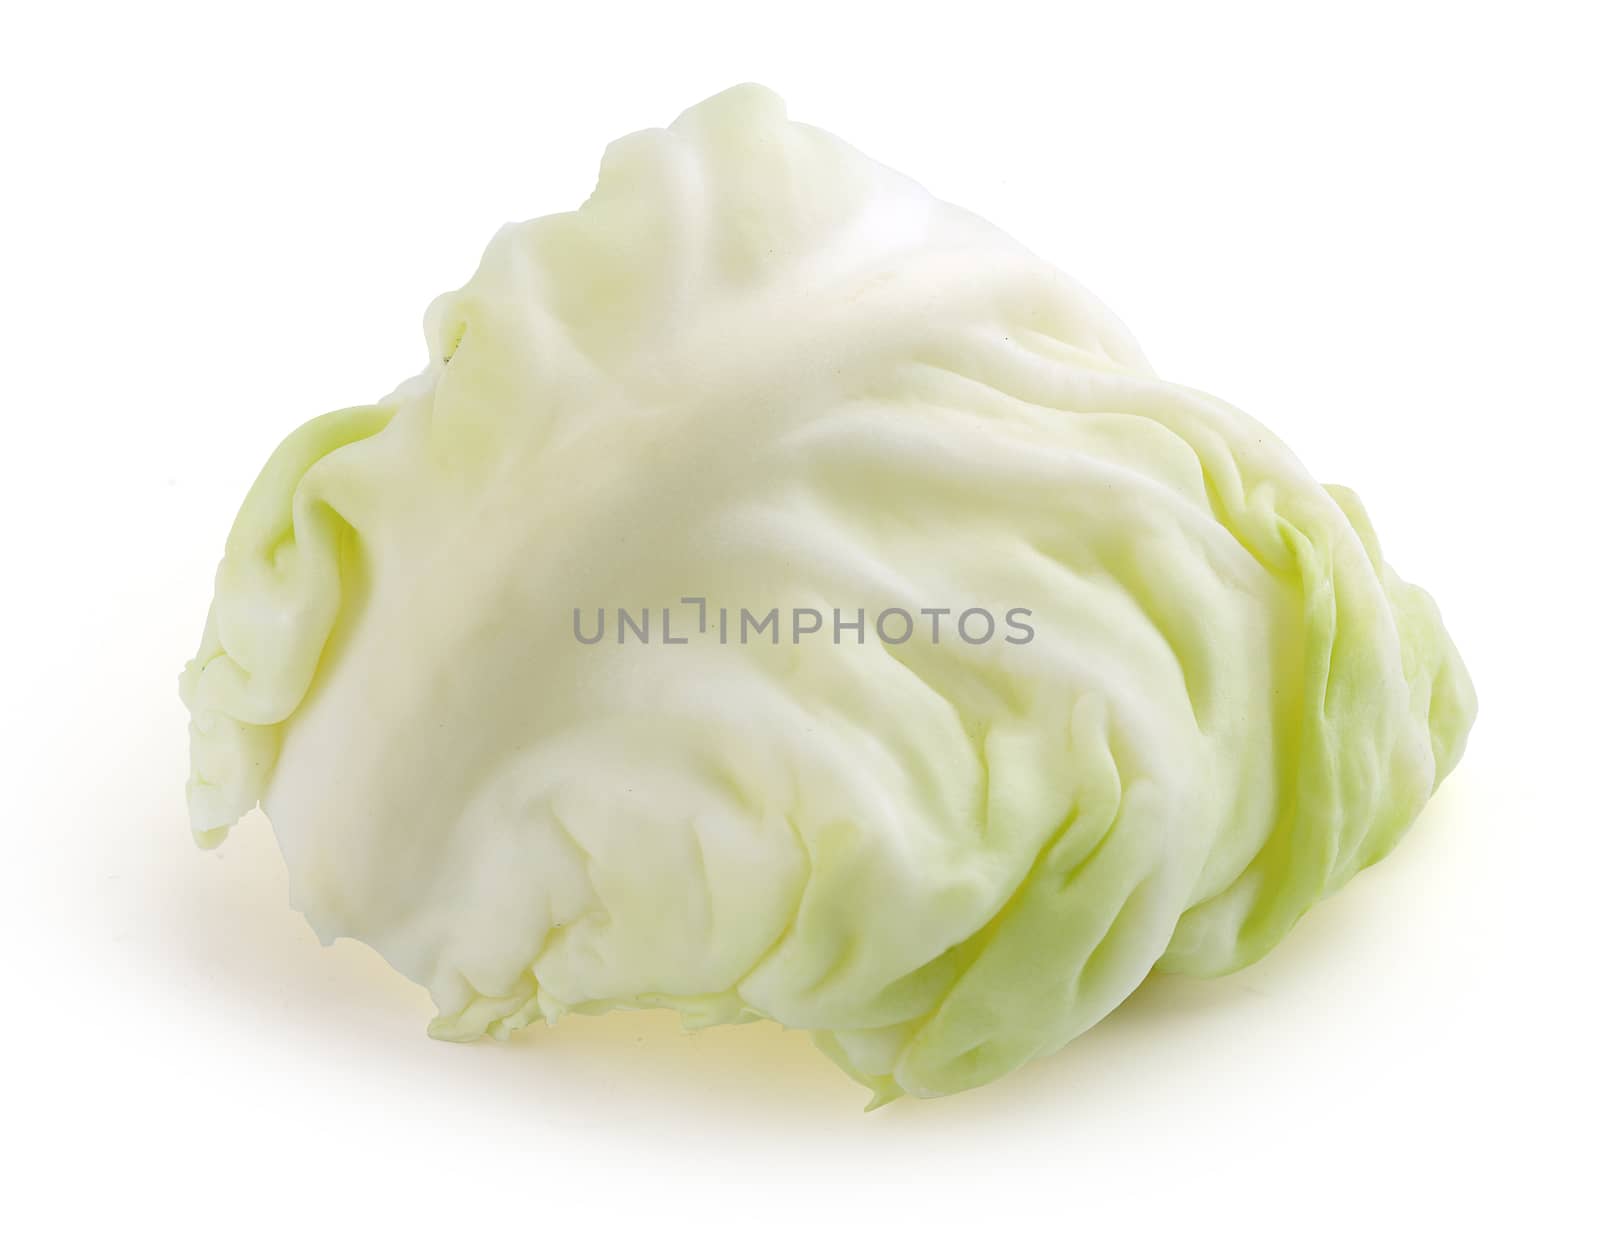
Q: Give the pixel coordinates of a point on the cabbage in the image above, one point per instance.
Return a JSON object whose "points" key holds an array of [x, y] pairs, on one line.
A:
{"points": [[597, 665]]}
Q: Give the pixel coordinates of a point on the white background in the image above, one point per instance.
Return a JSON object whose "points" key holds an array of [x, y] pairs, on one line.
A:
{"points": [[1375, 229]]}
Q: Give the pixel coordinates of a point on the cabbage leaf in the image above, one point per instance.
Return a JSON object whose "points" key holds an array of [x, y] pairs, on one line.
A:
{"points": [[755, 371]]}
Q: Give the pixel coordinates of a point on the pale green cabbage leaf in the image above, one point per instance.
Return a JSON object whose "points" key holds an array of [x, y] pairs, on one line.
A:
{"points": [[756, 367]]}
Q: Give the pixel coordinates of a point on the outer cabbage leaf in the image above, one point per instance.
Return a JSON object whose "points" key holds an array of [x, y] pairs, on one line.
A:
{"points": [[756, 367]]}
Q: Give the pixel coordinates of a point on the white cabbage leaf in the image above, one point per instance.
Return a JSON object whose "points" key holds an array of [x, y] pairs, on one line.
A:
{"points": [[759, 370]]}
